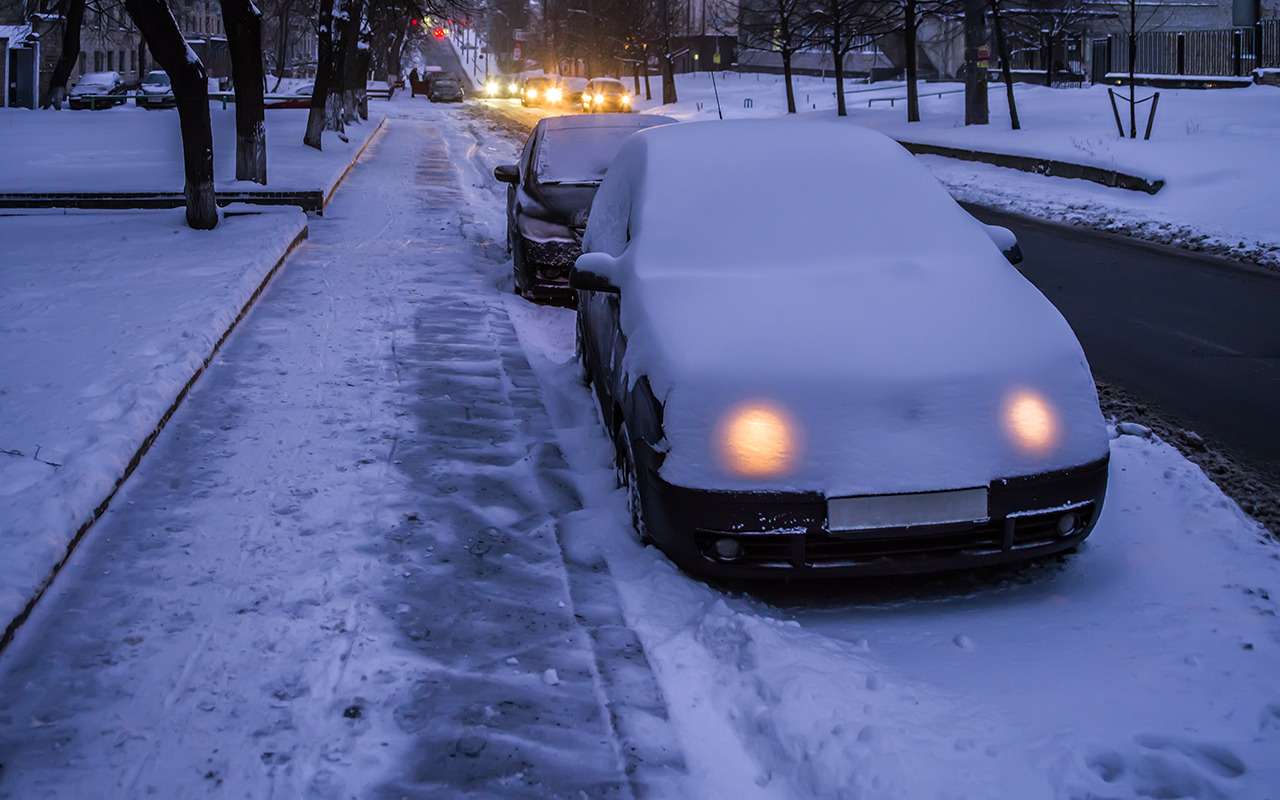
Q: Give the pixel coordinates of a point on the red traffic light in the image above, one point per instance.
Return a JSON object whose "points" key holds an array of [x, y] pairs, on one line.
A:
{"points": [[414, 22], [438, 33]]}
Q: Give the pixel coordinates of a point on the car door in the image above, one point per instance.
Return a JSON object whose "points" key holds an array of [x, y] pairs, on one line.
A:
{"points": [[526, 174]]}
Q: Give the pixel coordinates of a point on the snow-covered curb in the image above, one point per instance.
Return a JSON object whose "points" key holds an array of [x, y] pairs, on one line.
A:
{"points": [[112, 338]]}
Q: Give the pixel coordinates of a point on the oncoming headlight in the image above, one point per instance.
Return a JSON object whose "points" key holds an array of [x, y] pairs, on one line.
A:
{"points": [[599, 98], [626, 99], [491, 88], [512, 87], [757, 440], [554, 95], [531, 93]]}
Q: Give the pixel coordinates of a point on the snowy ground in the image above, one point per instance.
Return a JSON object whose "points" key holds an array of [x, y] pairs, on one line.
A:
{"points": [[128, 149], [1216, 150], [104, 316], [379, 552]]}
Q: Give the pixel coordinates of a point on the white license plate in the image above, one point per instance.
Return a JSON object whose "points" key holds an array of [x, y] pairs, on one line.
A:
{"points": [[906, 510]]}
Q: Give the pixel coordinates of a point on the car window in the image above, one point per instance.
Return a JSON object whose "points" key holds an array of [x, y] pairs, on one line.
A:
{"points": [[578, 155], [609, 222], [161, 78]]}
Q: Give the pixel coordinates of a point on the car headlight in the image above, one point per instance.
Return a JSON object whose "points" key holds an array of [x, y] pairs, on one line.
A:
{"points": [[1030, 421], [491, 87], [599, 98], [757, 440], [513, 88], [554, 95], [532, 94], [626, 99]]}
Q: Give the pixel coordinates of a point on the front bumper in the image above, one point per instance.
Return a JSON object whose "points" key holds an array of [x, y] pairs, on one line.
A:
{"points": [[546, 266], [785, 535]]}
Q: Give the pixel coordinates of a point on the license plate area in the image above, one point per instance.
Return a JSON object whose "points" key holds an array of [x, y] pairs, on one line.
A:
{"points": [[871, 512]]}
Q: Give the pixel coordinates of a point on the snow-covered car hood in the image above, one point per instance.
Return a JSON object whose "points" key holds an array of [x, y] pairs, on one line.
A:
{"points": [[847, 295], [155, 88]]}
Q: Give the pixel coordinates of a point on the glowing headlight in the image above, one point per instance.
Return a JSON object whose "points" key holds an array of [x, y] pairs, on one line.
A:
{"points": [[626, 99], [554, 95], [1030, 421], [599, 99], [512, 88], [757, 440], [532, 94], [491, 87]]}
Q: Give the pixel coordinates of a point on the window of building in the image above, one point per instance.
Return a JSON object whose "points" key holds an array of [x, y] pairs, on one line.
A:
{"points": [[111, 60], [133, 60], [120, 61], [83, 61], [97, 61]]}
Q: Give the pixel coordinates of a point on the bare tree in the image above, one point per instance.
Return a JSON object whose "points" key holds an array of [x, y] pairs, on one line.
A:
{"points": [[73, 16], [191, 92], [1049, 21], [976, 111], [842, 26], [1002, 47], [243, 24], [324, 74], [784, 27], [666, 15]]}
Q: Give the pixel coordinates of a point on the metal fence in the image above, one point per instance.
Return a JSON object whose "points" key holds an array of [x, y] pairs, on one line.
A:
{"points": [[1221, 52]]}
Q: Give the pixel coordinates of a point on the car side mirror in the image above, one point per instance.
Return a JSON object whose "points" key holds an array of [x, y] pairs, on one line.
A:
{"points": [[1006, 241], [592, 272], [507, 173]]}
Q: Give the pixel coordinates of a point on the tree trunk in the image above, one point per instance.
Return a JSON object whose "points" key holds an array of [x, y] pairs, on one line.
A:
{"points": [[282, 46], [909, 42], [976, 111], [1003, 47], [1133, 57], [349, 63], [67, 59], [668, 80], [837, 54], [635, 76], [789, 79], [191, 91], [1048, 59], [324, 69], [648, 90], [243, 23], [362, 92], [393, 59]]}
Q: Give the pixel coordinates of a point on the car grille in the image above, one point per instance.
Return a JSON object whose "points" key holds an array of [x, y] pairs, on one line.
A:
{"points": [[822, 549]]}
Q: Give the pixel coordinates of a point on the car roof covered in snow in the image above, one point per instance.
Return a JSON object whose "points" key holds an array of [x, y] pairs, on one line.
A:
{"points": [[570, 121], [99, 77]]}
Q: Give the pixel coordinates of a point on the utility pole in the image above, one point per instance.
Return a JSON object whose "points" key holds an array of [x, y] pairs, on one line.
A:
{"points": [[977, 54]]}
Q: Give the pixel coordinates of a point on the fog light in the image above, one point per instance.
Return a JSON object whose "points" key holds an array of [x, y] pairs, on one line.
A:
{"points": [[1067, 524], [728, 549]]}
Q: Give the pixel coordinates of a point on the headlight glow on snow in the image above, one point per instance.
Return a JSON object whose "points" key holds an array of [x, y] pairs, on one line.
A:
{"points": [[554, 95], [1030, 421], [757, 440]]}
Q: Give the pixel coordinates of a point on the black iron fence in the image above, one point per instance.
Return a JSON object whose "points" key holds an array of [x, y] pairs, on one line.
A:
{"points": [[1220, 52]]}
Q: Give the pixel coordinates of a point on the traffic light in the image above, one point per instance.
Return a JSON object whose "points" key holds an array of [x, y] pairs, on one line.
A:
{"points": [[413, 22], [438, 33]]}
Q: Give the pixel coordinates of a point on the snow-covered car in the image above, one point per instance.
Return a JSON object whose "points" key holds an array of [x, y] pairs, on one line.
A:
{"points": [[156, 91], [540, 91], [822, 365], [298, 97], [549, 193], [445, 89], [98, 90], [606, 95]]}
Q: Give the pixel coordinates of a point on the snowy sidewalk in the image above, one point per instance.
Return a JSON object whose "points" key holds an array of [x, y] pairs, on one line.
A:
{"points": [[337, 574]]}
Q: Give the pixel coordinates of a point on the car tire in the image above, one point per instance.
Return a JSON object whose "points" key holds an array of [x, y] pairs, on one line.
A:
{"points": [[631, 483]]}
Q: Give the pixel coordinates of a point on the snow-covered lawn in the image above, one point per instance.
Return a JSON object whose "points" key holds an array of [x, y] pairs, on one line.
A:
{"points": [[127, 149], [104, 317], [1217, 151]]}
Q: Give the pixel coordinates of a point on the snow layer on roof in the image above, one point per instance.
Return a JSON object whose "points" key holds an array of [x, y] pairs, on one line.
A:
{"points": [[580, 152], [821, 271], [16, 34]]}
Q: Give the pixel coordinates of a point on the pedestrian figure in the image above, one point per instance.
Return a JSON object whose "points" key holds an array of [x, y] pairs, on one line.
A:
{"points": [[413, 82]]}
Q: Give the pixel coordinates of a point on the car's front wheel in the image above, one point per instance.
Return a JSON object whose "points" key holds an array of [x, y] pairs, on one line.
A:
{"points": [[631, 482]]}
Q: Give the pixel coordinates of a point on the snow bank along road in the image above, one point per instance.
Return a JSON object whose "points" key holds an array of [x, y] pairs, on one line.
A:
{"points": [[378, 553]]}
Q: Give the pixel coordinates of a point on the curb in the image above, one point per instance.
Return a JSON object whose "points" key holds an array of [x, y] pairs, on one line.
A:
{"points": [[11, 628], [359, 152], [1040, 166]]}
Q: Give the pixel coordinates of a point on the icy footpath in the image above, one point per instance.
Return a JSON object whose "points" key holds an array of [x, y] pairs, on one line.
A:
{"points": [[338, 573], [104, 317]]}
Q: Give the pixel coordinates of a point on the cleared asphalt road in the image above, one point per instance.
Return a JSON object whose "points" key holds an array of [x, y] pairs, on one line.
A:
{"points": [[1198, 339]]}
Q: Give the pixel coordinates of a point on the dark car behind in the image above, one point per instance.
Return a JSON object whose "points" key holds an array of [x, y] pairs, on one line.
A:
{"points": [[98, 90], [550, 193], [445, 89], [606, 95], [155, 92]]}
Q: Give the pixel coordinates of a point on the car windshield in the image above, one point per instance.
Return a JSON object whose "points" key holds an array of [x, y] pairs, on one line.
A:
{"points": [[97, 79], [448, 83], [158, 78], [538, 83], [608, 87], [578, 155]]}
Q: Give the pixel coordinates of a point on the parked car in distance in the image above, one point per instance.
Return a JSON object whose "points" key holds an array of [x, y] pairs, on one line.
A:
{"points": [[155, 91], [572, 90], [501, 86], [98, 90], [445, 89], [803, 380], [606, 95], [298, 97], [549, 193], [541, 91]]}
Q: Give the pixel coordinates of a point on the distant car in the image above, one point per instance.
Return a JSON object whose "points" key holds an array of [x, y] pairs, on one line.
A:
{"points": [[98, 90], [156, 91], [606, 95], [298, 97], [541, 91], [500, 86], [445, 89], [550, 191], [573, 89], [803, 380]]}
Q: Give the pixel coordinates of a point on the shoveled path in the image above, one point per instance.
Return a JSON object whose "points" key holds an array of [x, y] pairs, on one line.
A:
{"points": [[338, 572]]}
